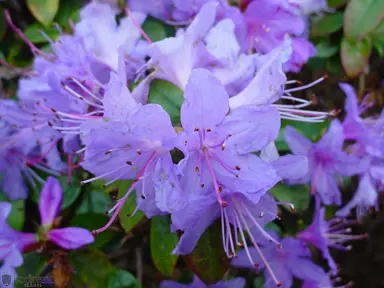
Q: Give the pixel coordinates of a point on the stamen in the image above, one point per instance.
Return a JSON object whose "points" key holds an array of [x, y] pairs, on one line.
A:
{"points": [[80, 97], [86, 90], [307, 86], [213, 176], [145, 35]]}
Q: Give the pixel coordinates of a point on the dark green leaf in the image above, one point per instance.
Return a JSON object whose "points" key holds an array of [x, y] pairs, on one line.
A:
{"points": [[298, 195], [67, 11], [43, 10], [71, 191], [259, 282], [92, 268], [379, 46], [162, 242], [355, 55], [168, 96], [327, 25], [92, 221], [336, 3], [326, 50], [94, 202], [122, 279], [129, 222], [33, 33], [362, 17], [208, 260]]}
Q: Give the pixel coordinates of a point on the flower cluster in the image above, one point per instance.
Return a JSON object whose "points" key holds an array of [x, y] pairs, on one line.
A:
{"points": [[86, 105]]}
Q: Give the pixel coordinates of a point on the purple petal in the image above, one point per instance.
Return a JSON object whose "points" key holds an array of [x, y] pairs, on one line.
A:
{"points": [[5, 209], [202, 22], [71, 238], [206, 101], [9, 253], [302, 51], [305, 269], [50, 201], [297, 142], [326, 185], [291, 167], [267, 86], [13, 183], [262, 127]]}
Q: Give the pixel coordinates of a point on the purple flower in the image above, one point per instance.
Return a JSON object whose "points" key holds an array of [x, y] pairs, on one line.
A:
{"points": [[197, 283], [325, 234], [268, 86], [327, 160], [69, 238], [311, 6], [268, 22], [12, 242], [218, 146], [302, 51], [293, 259]]}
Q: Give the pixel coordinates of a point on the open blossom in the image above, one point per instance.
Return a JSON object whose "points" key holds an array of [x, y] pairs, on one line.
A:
{"points": [[50, 202], [368, 143], [197, 283], [325, 234], [327, 160], [293, 259]]}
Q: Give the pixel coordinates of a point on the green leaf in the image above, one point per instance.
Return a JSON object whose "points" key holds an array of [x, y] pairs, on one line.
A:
{"points": [[92, 221], [378, 44], [43, 10], [68, 10], [71, 191], [162, 242], [126, 221], [168, 96], [327, 25], [326, 49], [154, 29], [33, 33], [122, 279], [16, 217], [94, 202], [208, 260], [336, 3], [355, 55], [298, 195], [92, 268], [33, 266], [362, 17]]}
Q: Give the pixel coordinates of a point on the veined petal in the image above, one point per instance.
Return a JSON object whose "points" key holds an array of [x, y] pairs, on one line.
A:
{"points": [[292, 167], [205, 101]]}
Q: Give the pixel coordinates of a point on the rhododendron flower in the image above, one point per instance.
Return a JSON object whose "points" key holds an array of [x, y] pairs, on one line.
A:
{"points": [[197, 283], [328, 234], [293, 259], [327, 160]]}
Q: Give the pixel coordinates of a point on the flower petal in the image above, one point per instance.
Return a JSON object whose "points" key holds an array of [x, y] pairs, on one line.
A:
{"points": [[297, 142], [205, 101], [50, 201], [291, 167], [71, 238]]}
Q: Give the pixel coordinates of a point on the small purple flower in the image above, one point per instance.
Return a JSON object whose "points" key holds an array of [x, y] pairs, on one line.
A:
{"points": [[197, 283], [293, 259], [69, 238], [325, 234], [327, 160]]}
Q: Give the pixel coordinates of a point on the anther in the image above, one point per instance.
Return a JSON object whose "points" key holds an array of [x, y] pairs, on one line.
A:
{"points": [[185, 142], [223, 147], [172, 184], [261, 214], [279, 246], [138, 152], [108, 152], [94, 233], [209, 130], [237, 167], [197, 170], [223, 204], [196, 129], [278, 284], [256, 265], [220, 189], [142, 197], [129, 163], [202, 185]]}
